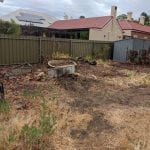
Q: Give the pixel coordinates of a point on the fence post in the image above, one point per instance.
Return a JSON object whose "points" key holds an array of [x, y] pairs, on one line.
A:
{"points": [[53, 49], [70, 51], [92, 51], [40, 49]]}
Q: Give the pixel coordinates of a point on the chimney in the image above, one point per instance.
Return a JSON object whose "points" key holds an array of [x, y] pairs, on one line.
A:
{"points": [[129, 16], [142, 20], [114, 11]]}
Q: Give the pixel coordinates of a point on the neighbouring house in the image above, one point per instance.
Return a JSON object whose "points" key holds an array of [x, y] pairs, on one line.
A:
{"points": [[133, 29], [104, 28], [31, 22]]}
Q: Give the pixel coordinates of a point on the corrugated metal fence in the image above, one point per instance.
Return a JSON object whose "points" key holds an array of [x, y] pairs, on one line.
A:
{"points": [[16, 50], [122, 47]]}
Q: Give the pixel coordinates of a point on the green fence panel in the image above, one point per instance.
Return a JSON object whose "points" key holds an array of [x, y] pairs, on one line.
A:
{"points": [[21, 49], [81, 48]]}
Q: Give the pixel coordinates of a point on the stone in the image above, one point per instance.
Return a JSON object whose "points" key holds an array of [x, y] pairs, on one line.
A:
{"points": [[39, 76]]}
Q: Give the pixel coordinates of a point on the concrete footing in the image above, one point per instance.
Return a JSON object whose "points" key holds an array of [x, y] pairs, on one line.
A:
{"points": [[61, 70]]}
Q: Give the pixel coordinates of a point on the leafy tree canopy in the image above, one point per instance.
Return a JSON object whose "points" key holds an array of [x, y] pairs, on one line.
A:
{"points": [[147, 18], [122, 17], [11, 27], [82, 17]]}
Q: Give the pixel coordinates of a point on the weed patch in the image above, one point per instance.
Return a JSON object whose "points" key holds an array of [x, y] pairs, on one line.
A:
{"points": [[31, 93], [4, 106], [11, 137], [30, 134], [47, 123], [60, 55], [33, 135]]}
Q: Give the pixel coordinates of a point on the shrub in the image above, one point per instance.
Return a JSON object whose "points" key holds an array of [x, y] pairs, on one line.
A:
{"points": [[88, 57], [11, 27]]}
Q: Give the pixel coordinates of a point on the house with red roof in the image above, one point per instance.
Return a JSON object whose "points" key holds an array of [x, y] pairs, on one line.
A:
{"points": [[133, 29], [104, 28]]}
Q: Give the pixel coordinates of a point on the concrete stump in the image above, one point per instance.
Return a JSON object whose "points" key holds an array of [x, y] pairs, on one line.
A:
{"points": [[61, 70]]}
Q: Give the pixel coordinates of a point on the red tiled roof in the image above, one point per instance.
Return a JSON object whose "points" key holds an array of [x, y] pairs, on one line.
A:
{"points": [[130, 25], [85, 23]]}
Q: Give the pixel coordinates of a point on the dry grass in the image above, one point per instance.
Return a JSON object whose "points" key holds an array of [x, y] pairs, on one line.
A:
{"points": [[60, 55], [104, 107]]}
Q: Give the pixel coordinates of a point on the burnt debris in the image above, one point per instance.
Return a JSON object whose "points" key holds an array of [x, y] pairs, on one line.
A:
{"points": [[86, 61]]}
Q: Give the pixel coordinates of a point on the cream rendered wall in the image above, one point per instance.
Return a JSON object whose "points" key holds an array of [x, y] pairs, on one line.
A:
{"points": [[134, 34], [111, 32], [127, 33]]}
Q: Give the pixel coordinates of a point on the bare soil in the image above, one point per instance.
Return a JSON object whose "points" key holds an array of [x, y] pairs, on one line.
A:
{"points": [[103, 107]]}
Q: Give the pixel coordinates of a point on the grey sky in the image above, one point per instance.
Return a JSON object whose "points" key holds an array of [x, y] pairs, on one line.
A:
{"points": [[76, 8]]}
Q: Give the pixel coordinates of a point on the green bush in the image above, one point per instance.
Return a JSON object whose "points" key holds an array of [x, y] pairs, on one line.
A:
{"points": [[11, 27]]}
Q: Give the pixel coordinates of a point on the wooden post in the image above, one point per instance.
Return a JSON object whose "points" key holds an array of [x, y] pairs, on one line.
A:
{"points": [[40, 48], [1, 91], [70, 51], [92, 52]]}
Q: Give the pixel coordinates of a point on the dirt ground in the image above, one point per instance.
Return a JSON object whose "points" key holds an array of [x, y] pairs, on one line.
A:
{"points": [[103, 107]]}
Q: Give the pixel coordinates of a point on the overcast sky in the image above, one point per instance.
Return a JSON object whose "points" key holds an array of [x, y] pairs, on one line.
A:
{"points": [[76, 8]]}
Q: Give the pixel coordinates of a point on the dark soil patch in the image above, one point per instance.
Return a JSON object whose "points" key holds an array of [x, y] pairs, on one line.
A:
{"points": [[96, 126], [99, 124], [78, 134]]}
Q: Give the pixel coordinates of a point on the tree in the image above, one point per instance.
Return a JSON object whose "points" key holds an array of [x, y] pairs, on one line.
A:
{"points": [[147, 18], [11, 27], [122, 17], [81, 17]]}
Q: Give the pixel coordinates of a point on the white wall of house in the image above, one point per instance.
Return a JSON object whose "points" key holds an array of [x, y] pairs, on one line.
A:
{"points": [[111, 32]]}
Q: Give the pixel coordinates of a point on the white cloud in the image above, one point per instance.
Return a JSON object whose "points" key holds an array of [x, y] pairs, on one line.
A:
{"points": [[75, 8]]}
